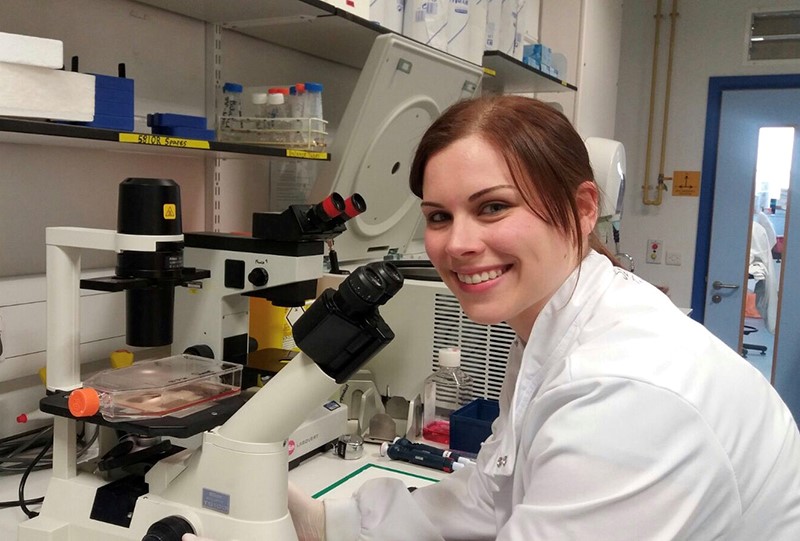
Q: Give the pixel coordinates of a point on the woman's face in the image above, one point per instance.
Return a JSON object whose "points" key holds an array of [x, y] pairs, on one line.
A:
{"points": [[501, 261]]}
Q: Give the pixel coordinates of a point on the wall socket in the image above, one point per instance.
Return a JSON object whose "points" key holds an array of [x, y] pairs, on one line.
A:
{"points": [[654, 252], [673, 258]]}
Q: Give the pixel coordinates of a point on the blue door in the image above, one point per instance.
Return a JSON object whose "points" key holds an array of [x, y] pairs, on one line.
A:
{"points": [[742, 115]]}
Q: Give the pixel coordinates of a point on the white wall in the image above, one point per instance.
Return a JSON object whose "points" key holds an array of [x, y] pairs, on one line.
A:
{"points": [[49, 183], [598, 68], [560, 29], [710, 41]]}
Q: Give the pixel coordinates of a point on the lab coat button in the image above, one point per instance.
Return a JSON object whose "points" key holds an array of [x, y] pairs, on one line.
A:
{"points": [[502, 461]]}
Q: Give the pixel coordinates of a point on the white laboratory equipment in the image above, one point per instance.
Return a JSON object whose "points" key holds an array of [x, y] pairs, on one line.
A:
{"points": [[608, 163], [403, 87]]}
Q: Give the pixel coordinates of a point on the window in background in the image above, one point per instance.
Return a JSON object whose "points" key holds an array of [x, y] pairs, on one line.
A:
{"points": [[774, 35]]}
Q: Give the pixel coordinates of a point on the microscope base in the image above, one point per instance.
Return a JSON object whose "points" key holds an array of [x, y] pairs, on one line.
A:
{"points": [[227, 490], [77, 525]]}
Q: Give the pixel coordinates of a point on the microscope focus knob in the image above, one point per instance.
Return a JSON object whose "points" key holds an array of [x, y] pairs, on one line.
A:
{"points": [[168, 529], [258, 276]]}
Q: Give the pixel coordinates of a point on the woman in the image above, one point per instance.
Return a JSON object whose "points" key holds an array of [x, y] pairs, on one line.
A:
{"points": [[620, 417]]}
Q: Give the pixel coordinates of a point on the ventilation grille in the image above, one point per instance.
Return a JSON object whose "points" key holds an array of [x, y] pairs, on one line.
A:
{"points": [[484, 348], [774, 36]]}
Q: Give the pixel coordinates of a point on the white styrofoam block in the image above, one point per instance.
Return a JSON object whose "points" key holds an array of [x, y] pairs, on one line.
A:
{"points": [[31, 51], [31, 91]]}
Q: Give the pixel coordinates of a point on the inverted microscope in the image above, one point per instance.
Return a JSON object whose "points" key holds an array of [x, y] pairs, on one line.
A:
{"points": [[234, 486]]}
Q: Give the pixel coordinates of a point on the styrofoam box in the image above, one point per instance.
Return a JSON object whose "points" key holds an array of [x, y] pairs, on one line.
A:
{"points": [[31, 91], [31, 51]]}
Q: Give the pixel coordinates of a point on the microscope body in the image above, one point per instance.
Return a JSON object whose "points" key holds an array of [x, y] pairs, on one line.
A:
{"points": [[212, 317], [235, 485]]}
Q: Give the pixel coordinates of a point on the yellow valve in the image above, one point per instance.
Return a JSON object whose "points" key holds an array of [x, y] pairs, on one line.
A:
{"points": [[43, 375]]}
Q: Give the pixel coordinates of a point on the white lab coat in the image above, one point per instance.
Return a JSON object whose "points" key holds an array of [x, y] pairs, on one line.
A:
{"points": [[621, 419], [762, 268]]}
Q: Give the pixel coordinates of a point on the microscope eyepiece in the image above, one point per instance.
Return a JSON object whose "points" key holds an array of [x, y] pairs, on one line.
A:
{"points": [[327, 209], [368, 287], [391, 276], [343, 329], [353, 206]]}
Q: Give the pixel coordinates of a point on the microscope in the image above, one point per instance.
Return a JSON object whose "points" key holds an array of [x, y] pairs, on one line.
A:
{"points": [[234, 486]]}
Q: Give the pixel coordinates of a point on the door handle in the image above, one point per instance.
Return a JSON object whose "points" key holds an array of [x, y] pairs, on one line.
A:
{"points": [[719, 285]]}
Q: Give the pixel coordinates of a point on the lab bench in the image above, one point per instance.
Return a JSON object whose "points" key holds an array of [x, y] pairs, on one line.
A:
{"points": [[324, 475]]}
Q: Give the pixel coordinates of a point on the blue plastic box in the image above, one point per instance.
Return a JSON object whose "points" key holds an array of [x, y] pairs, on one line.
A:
{"points": [[176, 120], [470, 425]]}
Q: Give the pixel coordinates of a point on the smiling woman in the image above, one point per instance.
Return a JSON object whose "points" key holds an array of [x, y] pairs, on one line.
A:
{"points": [[474, 233], [620, 417]]}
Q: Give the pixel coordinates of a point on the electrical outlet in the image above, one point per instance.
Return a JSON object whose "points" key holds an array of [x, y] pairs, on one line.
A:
{"points": [[673, 258], [653, 254]]}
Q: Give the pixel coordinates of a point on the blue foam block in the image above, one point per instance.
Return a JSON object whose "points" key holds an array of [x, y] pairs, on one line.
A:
{"points": [[182, 131], [113, 83], [113, 107], [175, 120]]}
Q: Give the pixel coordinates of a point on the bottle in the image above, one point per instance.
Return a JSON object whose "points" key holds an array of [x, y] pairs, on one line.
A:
{"points": [[297, 96], [277, 113], [260, 104], [313, 100], [313, 110], [446, 390], [231, 106]]}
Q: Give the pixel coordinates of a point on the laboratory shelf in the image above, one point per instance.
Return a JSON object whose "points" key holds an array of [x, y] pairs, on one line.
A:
{"points": [[504, 74], [14, 130], [324, 31], [309, 26]]}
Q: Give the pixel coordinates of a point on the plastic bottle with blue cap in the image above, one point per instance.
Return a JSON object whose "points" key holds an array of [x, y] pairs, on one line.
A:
{"points": [[313, 100], [231, 106]]}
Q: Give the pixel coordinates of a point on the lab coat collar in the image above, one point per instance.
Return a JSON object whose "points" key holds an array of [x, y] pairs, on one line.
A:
{"points": [[553, 335]]}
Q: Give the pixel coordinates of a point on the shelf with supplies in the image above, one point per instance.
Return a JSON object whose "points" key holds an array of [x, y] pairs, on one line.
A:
{"points": [[316, 28], [504, 74], [14, 130], [309, 26]]}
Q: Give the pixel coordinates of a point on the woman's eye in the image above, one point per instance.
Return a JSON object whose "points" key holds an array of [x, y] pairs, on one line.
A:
{"points": [[493, 207], [436, 217]]}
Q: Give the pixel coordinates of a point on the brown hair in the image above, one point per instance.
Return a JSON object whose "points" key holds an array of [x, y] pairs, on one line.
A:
{"points": [[545, 155]]}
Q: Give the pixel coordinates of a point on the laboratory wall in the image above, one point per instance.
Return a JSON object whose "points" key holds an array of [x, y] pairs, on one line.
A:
{"points": [[52, 183], [588, 34], [710, 40], [56, 182]]}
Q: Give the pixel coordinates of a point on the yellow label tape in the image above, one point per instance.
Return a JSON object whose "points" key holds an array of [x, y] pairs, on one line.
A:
{"points": [[294, 153], [162, 141]]}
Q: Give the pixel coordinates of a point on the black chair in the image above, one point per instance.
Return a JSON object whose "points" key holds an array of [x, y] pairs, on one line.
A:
{"points": [[746, 330]]}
